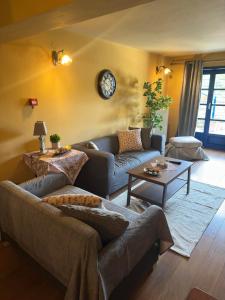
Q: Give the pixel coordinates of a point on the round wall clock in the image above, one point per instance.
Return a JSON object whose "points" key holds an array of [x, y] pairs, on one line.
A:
{"points": [[106, 84]]}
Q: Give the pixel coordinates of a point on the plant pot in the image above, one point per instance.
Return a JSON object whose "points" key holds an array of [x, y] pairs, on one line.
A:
{"points": [[56, 145], [147, 123]]}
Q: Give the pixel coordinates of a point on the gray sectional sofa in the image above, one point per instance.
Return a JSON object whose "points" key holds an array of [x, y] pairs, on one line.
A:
{"points": [[71, 250], [106, 170]]}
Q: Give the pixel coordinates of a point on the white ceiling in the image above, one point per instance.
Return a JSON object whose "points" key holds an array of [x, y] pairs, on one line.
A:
{"points": [[169, 27], [70, 13]]}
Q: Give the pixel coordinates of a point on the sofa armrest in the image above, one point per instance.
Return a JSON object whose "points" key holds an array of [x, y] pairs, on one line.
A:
{"points": [[158, 142], [41, 230], [96, 175], [117, 259]]}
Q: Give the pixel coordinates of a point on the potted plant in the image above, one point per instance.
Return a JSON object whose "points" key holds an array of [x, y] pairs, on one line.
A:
{"points": [[155, 103], [55, 140]]}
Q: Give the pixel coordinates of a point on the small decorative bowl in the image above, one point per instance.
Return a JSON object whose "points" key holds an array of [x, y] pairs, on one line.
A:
{"points": [[152, 171], [61, 151]]}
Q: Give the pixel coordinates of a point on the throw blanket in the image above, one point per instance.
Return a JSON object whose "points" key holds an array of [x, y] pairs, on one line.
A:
{"points": [[119, 257], [69, 163], [71, 250]]}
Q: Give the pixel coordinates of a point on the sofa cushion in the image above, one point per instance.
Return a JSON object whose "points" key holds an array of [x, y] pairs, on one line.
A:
{"points": [[146, 155], [109, 224], [145, 137], [107, 143], [69, 189], [130, 160], [43, 185], [130, 140], [75, 199]]}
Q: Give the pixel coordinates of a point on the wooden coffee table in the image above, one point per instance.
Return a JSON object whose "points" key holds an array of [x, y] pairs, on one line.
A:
{"points": [[157, 190]]}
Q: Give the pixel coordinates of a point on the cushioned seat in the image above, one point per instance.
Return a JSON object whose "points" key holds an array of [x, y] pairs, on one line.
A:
{"points": [[185, 142], [185, 147], [129, 160], [146, 155]]}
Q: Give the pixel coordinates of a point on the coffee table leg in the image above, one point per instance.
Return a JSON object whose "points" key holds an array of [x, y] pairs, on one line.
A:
{"points": [[188, 180], [164, 195], [129, 189]]}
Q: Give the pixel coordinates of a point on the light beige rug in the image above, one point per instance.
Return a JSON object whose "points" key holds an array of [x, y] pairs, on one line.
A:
{"points": [[187, 215]]}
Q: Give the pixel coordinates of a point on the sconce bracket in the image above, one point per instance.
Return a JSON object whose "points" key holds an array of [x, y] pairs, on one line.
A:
{"points": [[159, 69], [56, 56], [167, 70]]}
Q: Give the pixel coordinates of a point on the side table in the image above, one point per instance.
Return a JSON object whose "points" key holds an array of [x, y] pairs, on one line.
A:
{"points": [[69, 163]]}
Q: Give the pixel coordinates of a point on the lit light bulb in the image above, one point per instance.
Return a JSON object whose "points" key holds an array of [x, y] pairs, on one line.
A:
{"points": [[65, 60], [167, 71]]}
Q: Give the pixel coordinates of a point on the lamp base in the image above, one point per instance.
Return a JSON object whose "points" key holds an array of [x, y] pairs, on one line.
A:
{"points": [[42, 144]]}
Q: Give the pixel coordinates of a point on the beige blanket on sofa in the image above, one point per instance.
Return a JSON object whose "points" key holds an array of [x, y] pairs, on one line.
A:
{"points": [[71, 250], [66, 247]]}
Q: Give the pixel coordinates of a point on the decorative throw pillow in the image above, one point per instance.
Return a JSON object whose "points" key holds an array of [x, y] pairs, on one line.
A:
{"points": [[92, 145], [145, 137], [129, 140], [76, 199], [109, 224]]}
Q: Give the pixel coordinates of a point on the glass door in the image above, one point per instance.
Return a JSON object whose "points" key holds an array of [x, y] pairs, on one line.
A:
{"points": [[210, 127]]}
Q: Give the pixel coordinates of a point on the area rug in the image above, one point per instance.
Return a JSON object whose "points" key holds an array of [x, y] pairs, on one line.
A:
{"points": [[187, 215]]}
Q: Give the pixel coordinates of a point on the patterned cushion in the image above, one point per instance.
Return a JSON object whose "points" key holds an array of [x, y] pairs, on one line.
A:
{"points": [[145, 136], [129, 140], [109, 224], [78, 199]]}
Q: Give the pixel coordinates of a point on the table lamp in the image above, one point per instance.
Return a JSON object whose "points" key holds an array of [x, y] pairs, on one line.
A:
{"points": [[40, 130]]}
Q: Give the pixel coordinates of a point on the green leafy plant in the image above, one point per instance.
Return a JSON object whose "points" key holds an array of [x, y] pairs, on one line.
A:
{"points": [[55, 138], [154, 103]]}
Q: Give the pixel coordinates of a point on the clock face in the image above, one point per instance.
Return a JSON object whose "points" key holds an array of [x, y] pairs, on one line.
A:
{"points": [[106, 84]]}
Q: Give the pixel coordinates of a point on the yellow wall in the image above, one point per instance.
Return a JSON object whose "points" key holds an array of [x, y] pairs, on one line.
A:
{"points": [[68, 100]]}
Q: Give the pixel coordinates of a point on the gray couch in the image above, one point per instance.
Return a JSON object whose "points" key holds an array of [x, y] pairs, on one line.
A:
{"points": [[106, 170], [71, 250]]}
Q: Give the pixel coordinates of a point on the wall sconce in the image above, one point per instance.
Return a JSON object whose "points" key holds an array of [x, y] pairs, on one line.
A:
{"points": [[59, 58], [166, 70]]}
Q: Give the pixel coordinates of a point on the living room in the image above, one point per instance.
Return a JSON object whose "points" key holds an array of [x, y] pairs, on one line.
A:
{"points": [[135, 42]]}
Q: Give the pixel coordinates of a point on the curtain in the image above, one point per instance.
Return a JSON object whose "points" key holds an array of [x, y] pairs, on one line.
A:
{"points": [[190, 98]]}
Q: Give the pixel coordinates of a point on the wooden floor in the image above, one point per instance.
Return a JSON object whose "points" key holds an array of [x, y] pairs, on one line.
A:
{"points": [[173, 276]]}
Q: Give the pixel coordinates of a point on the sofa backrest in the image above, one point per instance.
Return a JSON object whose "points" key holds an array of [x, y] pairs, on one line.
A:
{"points": [[46, 184], [108, 143]]}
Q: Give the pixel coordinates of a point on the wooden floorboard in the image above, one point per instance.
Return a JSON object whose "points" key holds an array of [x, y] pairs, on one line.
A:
{"points": [[173, 277], [21, 278]]}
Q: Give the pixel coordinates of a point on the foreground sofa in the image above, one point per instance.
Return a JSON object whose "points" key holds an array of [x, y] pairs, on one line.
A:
{"points": [[106, 170], [71, 250]]}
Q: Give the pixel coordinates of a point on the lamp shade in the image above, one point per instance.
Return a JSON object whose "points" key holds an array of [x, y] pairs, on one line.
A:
{"points": [[40, 128]]}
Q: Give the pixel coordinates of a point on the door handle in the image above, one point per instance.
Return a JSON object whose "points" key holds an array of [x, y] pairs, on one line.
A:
{"points": [[209, 106]]}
